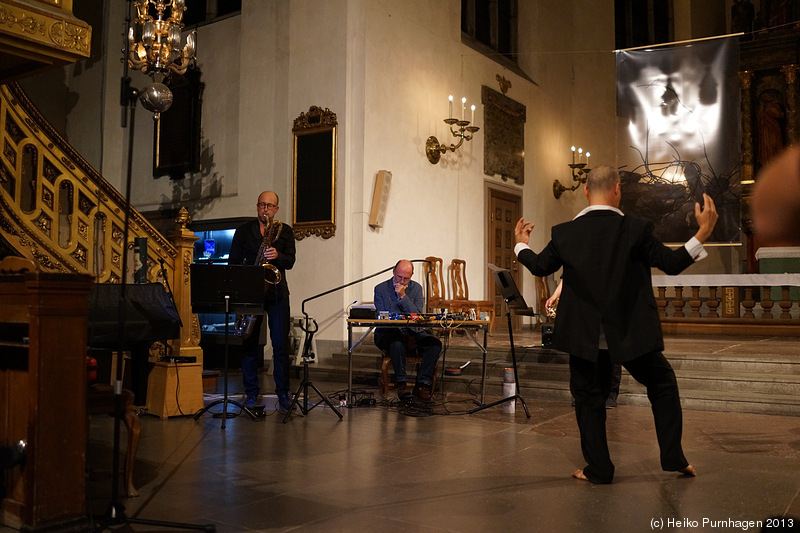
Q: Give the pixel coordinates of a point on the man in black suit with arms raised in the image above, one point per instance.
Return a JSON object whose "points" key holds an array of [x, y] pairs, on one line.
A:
{"points": [[607, 313]]}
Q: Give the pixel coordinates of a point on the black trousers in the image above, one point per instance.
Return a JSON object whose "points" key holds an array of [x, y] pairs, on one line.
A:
{"points": [[590, 383]]}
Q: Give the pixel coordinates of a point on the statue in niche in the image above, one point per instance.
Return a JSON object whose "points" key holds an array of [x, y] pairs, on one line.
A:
{"points": [[770, 125]]}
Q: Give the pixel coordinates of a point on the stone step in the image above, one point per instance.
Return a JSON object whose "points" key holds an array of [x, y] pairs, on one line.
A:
{"points": [[756, 382]]}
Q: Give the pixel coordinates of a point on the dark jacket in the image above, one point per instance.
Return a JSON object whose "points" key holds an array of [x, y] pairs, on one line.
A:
{"points": [[606, 259], [244, 248]]}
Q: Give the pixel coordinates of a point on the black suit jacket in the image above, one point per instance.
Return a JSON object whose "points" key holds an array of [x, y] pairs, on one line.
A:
{"points": [[606, 259], [244, 248]]}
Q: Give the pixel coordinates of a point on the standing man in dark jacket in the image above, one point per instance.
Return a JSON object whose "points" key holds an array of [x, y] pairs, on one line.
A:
{"points": [[607, 313], [279, 252]]}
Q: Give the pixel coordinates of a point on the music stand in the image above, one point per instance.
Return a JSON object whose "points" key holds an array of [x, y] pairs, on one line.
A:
{"points": [[513, 298], [225, 288]]}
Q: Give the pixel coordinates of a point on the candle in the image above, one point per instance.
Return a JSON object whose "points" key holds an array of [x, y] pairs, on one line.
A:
{"points": [[587, 158], [450, 115], [573, 155], [580, 154], [463, 106], [473, 115]]}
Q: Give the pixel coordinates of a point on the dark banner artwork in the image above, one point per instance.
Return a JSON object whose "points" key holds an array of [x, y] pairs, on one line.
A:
{"points": [[679, 135]]}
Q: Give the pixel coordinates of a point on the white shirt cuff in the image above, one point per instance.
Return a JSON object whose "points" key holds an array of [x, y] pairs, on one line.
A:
{"points": [[519, 247], [695, 249]]}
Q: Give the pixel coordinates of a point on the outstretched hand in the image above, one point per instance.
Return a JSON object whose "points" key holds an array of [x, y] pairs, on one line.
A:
{"points": [[706, 218], [522, 231]]}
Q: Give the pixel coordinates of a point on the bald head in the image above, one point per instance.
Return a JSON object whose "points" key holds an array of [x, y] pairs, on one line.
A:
{"points": [[267, 206], [603, 186]]}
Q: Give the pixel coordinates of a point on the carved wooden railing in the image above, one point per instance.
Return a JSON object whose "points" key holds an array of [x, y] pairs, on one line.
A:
{"points": [[746, 304], [58, 211]]}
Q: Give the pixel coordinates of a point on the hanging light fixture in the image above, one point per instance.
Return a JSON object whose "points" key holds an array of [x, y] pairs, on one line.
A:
{"points": [[154, 47]]}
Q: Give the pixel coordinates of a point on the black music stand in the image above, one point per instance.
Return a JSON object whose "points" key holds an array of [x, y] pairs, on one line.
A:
{"points": [[513, 298], [227, 288]]}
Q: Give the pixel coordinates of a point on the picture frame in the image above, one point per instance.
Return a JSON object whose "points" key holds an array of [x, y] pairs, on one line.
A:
{"points": [[314, 174]]}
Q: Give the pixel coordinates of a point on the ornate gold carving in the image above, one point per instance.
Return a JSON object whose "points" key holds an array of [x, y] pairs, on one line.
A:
{"points": [[324, 232], [195, 331], [10, 154], [59, 36], [315, 118], [183, 218], [187, 261], [505, 85], [44, 223], [80, 255], [22, 21], [70, 37], [13, 130], [47, 198], [50, 172]]}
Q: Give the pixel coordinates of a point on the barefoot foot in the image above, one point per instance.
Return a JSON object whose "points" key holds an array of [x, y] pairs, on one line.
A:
{"points": [[688, 471], [578, 474]]}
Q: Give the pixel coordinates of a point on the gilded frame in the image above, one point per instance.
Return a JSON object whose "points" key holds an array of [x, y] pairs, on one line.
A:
{"points": [[314, 174]]}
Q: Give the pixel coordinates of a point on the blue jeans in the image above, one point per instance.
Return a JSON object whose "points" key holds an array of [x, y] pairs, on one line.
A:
{"points": [[394, 342], [279, 322]]}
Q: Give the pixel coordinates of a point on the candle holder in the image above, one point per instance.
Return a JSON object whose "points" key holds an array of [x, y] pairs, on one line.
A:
{"points": [[434, 149], [579, 175]]}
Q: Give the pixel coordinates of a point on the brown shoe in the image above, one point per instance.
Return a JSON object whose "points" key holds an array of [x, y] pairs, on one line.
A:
{"points": [[422, 392], [401, 388]]}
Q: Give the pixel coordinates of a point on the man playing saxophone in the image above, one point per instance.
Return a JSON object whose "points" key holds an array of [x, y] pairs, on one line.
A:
{"points": [[266, 240]]}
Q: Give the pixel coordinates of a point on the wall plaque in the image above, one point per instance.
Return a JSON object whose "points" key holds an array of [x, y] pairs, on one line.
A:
{"points": [[504, 131]]}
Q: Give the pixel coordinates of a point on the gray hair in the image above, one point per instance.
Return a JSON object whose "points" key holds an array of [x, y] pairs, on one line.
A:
{"points": [[602, 179]]}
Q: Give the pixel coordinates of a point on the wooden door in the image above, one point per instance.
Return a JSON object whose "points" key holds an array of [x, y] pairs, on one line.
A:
{"points": [[504, 211]]}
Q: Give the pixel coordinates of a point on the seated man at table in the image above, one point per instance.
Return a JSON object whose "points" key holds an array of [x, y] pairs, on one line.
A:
{"points": [[400, 295]]}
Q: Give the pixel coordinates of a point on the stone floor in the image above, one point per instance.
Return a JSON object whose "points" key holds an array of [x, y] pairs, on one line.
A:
{"points": [[385, 468]]}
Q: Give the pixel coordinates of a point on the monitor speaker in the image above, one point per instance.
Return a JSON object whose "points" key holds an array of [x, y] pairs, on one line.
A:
{"points": [[547, 335], [383, 182]]}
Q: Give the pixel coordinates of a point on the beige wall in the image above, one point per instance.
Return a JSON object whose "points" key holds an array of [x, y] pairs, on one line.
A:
{"points": [[386, 69]]}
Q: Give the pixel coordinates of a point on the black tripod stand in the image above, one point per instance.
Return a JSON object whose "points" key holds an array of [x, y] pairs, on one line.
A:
{"points": [[306, 383], [215, 285], [511, 295]]}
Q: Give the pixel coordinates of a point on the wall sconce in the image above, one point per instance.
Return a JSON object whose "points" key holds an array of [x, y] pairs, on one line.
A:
{"points": [[579, 174], [465, 132]]}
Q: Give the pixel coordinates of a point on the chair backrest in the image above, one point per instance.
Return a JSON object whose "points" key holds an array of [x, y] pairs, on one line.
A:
{"points": [[435, 283], [458, 279]]}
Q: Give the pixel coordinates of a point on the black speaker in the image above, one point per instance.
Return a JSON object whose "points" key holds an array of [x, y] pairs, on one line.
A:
{"points": [[547, 335]]}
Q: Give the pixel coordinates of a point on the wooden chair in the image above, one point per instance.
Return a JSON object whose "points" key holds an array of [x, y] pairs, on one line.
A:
{"points": [[435, 298], [460, 293], [413, 357]]}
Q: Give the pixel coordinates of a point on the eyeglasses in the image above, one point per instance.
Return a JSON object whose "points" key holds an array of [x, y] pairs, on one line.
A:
{"points": [[262, 205]]}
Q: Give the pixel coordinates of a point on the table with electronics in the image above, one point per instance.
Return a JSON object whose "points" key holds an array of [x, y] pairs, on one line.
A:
{"points": [[446, 324]]}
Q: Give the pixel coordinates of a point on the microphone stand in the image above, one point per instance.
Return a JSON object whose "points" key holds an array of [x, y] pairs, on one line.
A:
{"points": [[306, 383], [116, 510]]}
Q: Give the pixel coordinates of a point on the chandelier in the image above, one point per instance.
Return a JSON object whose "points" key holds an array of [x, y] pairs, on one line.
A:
{"points": [[154, 47]]}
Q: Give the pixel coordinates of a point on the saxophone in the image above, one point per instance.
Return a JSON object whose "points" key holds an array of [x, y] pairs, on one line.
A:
{"points": [[244, 324]]}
